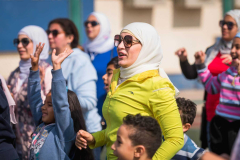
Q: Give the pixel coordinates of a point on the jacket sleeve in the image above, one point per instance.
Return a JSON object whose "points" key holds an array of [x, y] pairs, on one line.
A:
{"points": [[84, 83], [189, 71], [212, 84], [62, 114], [100, 139], [34, 95], [165, 111]]}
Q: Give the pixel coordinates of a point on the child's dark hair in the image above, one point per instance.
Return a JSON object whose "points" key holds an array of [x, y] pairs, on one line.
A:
{"points": [[146, 132], [188, 109], [79, 123], [114, 61]]}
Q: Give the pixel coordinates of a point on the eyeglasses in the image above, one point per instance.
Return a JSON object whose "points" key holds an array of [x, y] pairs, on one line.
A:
{"points": [[24, 41], [127, 41], [54, 32], [229, 24], [93, 23]]}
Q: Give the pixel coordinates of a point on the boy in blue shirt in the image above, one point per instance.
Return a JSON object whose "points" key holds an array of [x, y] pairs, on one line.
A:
{"points": [[190, 150]]}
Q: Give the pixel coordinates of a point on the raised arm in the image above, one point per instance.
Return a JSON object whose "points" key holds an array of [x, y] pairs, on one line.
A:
{"points": [[165, 111], [34, 86], [62, 114], [189, 71], [211, 84]]}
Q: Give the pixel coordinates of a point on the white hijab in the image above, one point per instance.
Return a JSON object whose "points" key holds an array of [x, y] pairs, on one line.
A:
{"points": [[36, 34], [102, 43], [150, 55]]}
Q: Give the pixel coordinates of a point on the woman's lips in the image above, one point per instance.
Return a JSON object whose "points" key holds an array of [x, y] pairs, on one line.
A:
{"points": [[44, 114]]}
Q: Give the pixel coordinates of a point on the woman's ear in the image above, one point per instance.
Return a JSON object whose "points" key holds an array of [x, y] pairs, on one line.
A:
{"points": [[139, 151], [70, 38]]}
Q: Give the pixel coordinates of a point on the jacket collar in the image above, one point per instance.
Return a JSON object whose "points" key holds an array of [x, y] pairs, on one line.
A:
{"points": [[137, 77]]}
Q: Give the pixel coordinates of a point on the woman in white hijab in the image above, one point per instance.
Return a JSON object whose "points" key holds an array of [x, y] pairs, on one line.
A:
{"points": [[138, 87], [100, 47], [28, 38]]}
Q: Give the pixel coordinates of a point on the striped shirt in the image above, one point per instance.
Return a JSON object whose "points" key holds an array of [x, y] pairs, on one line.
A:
{"points": [[229, 102]]}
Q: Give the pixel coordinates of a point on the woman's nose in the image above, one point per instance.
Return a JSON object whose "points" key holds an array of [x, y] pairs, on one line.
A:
{"points": [[104, 76]]}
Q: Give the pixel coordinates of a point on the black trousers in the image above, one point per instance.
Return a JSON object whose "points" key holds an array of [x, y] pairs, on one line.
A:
{"points": [[203, 132], [223, 134]]}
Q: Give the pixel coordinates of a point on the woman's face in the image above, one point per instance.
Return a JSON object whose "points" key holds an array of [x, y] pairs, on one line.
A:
{"points": [[107, 78], [127, 56], [92, 31], [47, 110], [227, 34], [25, 51], [61, 41]]}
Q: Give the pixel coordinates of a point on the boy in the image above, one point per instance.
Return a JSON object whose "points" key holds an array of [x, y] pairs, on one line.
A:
{"points": [[190, 150], [138, 137]]}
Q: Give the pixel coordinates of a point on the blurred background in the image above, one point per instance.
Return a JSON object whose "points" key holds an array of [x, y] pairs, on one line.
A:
{"points": [[193, 24]]}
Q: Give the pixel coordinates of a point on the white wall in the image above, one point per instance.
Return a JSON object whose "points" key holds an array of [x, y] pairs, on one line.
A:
{"points": [[195, 29]]}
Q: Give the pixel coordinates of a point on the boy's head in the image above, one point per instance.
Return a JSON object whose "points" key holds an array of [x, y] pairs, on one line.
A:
{"points": [[187, 110], [138, 137], [113, 64], [235, 51]]}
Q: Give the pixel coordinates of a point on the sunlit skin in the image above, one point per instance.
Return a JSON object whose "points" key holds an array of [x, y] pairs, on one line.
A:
{"points": [[47, 110], [61, 41], [92, 32], [25, 52], [228, 35], [127, 56], [123, 148], [107, 78]]}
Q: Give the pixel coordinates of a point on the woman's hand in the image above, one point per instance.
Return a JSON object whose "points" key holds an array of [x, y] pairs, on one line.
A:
{"points": [[227, 58], [83, 139], [35, 56], [58, 59], [182, 54], [199, 57]]}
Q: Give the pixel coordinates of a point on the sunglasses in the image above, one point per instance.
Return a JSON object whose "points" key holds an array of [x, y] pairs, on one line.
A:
{"points": [[24, 41], [229, 24], [54, 32], [128, 41], [93, 23]]}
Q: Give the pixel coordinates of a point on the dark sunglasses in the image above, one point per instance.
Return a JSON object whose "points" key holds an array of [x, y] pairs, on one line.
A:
{"points": [[93, 23], [24, 41], [128, 41], [54, 32], [229, 24]]}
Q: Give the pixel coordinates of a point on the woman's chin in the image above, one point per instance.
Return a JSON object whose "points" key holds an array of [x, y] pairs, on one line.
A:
{"points": [[24, 58]]}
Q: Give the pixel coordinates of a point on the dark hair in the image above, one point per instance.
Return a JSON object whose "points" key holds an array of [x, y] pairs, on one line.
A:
{"points": [[146, 132], [188, 109], [114, 61], [69, 28], [79, 123]]}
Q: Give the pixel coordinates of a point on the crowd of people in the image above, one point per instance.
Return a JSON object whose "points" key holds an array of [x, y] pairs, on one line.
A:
{"points": [[66, 101]]}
